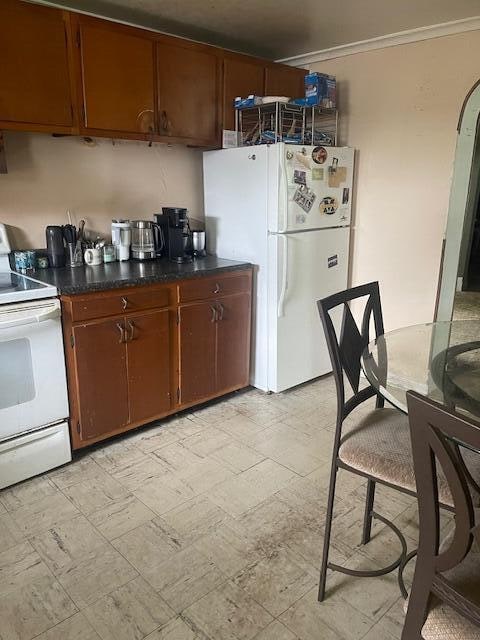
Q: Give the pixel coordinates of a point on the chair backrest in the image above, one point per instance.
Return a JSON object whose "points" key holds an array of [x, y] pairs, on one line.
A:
{"points": [[346, 351], [436, 434]]}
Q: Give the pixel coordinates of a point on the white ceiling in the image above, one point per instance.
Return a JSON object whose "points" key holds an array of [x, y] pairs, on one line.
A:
{"points": [[280, 28]]}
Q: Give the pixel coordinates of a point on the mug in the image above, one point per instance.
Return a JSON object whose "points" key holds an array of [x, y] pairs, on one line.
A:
{"points": [[93, 257], [24, 261]]}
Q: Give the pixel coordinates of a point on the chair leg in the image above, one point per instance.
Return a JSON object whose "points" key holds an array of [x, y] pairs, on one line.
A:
{"points": [[368, 517], [328, 532]]}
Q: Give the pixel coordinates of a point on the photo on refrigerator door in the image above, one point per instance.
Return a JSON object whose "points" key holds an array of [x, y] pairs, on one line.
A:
{"points": [[317, 182]]}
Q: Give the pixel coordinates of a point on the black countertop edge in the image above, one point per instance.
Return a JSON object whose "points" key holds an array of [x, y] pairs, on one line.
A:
{"points": [[117, 275]]}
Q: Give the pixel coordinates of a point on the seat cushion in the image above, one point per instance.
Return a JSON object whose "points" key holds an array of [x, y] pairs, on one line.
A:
{"points": [[443, 622], [379, 446]]}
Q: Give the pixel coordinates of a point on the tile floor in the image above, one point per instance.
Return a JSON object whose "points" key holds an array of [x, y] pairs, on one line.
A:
{"points": [[205, 526]]}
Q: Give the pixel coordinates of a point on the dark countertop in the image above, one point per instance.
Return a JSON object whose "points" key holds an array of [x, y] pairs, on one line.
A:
{"points": [[114, 275]]}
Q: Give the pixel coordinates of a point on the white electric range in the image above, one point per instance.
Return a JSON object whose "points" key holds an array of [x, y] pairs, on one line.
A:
{"points": [[34, 434]]}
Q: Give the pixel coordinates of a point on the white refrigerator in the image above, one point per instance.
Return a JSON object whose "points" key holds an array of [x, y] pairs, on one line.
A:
{"points": [[286, 209]]}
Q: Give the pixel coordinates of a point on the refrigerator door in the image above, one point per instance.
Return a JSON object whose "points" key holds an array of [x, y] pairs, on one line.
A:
{"points": [[314, 187], [235, 187], [304, 268]]}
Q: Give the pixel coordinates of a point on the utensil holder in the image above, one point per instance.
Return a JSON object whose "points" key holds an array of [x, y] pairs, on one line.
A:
{"points": [[75, 256]]}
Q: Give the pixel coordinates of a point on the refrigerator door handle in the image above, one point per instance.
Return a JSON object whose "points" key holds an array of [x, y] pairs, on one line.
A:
{"points": [[284, 286], [283, 195]]}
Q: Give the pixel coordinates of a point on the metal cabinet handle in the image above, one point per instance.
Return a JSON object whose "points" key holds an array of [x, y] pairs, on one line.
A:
{"points": [[217, 288], [124, 303], [122, 333], [222, 310], [214, 313], [131, 326]]}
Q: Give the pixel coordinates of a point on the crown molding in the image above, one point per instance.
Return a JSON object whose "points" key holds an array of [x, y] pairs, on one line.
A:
{"points": [[382, 42]]}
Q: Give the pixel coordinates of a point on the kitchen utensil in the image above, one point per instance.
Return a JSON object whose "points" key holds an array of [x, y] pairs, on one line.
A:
{"points": [[55, 246], [122, 238], [24, 261], [93, 257], [198, 244], [147, 239], [109, 253]]}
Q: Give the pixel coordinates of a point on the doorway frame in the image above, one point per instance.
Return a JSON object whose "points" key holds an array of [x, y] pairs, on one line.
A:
{"points": [[460, 195]]}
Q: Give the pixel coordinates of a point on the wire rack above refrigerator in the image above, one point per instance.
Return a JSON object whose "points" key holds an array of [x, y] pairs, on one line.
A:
{"points": [[283, 122]]}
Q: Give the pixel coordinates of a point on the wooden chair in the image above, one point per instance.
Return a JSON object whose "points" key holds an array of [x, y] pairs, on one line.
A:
{"points": [[444, 602], [378, 448]]}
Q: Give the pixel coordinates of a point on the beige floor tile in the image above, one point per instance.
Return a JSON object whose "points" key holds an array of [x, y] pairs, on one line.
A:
{"points": [[67, 544], [206, 441], [96, 574], [276, 582], [332, 619], [237, 456], [27, 493], [19, 567], [215, 413], [377, 633], [289, 447], [241, 427], [174, 630], [195, 518], [184, 578], [136, 474], [33, 608], [163, 494], [10, 534], [115, 456], [147, 546], [228, 549], [75, 628], [276, 631], [228, 613], [184, 426], [129, 613], [304, 494], [391, 624], [153, 437], [95, 493], [44, 513], [120, 516], [82, 468]]}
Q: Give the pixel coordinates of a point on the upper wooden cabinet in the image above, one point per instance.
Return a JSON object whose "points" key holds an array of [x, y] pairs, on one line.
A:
{"points": [[281, 80], [242, 76], [117, 77], [35, 81], [188, 91]]}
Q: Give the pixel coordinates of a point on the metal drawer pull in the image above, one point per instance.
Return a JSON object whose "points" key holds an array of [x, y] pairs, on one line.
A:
{"points": [[222, 309], [217, 288], [132, 331], [124, 303], [214, 314], [122, 333]]}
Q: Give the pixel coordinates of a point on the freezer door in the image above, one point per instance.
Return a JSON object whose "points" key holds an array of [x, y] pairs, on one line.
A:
{"points": [[307, 266], [315, 188]]}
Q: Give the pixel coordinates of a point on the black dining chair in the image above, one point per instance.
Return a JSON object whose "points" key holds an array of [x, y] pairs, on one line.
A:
{"points": [[444, 602], [378, 447]]}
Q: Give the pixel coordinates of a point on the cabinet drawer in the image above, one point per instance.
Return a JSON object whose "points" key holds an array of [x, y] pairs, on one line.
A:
{"points": [[94, 306], [203, 288]]}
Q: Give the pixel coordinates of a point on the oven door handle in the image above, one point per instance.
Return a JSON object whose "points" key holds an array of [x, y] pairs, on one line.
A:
{"points": [[49, 313]]}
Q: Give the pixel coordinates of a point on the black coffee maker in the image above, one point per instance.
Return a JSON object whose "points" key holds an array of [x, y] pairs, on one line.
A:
{"points": [[175, 228]]}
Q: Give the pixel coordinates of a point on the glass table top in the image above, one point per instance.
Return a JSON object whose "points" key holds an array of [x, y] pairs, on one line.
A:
{"points": [[440, 360]]}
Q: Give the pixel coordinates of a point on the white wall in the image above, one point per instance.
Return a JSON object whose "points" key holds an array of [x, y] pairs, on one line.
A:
{"points": [[399, 107], [127, 179]]}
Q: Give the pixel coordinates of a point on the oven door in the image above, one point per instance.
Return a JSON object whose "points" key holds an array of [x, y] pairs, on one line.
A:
{"points": [[33, 387]]}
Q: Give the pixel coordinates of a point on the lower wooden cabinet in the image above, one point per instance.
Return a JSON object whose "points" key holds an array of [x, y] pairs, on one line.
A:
{"points": [[145, 363]]}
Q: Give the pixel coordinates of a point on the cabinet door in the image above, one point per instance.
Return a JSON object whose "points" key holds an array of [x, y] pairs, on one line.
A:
{"points": [[233, 342], [101, 366], [188, 92], [34, 68], [281, 80], [197, 352], [241, 77], [117, 77], [148, 351]]}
